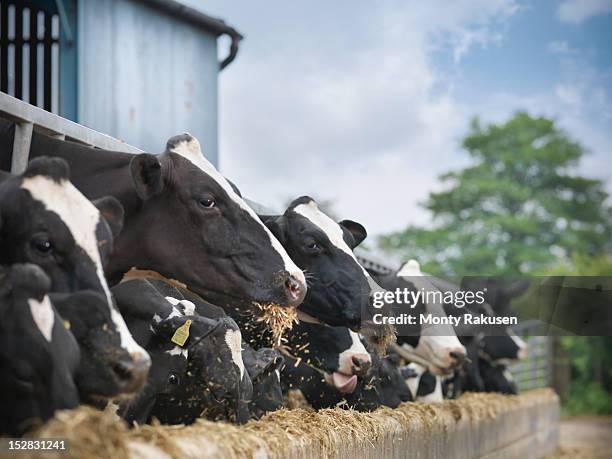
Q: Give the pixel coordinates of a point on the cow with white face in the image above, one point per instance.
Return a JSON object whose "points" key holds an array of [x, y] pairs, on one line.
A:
{"points": [[38, 355], [46, 221], [338, 287], [183, 220], [434, 346]]}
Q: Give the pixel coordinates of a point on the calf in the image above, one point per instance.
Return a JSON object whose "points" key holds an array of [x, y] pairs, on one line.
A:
{"points": [[38, 355], [204, 376], [45, 220]]}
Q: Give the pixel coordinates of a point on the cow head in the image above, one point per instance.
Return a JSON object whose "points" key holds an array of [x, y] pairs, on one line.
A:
{"points": [[38, 356], [46, 221], [209, 238], [337, 352], [202, 377], [390, 382], [338, 286], [106, 369], [435, 347], [503, 347], [264, 367]]}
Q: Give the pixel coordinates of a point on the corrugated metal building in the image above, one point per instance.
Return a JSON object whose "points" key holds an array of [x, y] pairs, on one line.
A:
{"points": [[139, 70]]}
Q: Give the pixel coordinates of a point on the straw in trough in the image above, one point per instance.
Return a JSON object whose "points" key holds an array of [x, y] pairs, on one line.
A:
{"points": [[285, 433]]}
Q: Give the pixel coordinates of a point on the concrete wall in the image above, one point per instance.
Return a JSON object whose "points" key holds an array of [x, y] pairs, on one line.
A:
{"points": [[144, 77]]}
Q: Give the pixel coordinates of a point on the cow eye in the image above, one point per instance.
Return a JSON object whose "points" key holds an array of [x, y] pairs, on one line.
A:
{"points": [[173, 379], [312, 247], [42, 245], [207, 203]]}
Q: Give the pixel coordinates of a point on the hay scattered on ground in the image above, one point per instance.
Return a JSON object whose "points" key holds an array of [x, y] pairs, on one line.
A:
{"points": [[284, 433], [279, 320]]}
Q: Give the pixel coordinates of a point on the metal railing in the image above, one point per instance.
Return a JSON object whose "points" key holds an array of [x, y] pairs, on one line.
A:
{"points": [[536, 370], [28, 118]]}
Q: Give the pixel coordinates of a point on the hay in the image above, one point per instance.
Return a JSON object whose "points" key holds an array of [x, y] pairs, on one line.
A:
{"points": [[284, 433], [277, 319]]}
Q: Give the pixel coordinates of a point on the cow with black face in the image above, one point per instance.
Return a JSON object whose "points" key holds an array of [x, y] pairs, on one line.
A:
{"points": [[38, 355], [182, 219], [330, 365], [338, 286], [45, 220], [435, 347], [391, 383], [201, 376], [106, 370], [264, 367]]}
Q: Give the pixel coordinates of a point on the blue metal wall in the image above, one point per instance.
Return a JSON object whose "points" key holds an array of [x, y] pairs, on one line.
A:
{"points": [[144, 76]]}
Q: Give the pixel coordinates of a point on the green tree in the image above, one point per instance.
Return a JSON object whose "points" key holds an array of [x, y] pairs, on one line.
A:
{"points": [[518, 208]]}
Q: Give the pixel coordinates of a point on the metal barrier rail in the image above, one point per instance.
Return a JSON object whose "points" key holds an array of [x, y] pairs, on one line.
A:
{"points": [[28, 117]]}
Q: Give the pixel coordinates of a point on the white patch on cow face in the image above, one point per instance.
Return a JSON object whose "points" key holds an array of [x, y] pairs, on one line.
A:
{"points": [[187, 306], [345, 359], [413, 383], [434, 397], [508, 375], [233, 338], [331, 229], [43, 315], [522, 345], [277, 371], [410, 269], [191, 150], [178, 350], [81, 218]]}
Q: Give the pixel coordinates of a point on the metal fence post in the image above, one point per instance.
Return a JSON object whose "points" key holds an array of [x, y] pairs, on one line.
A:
{"points": [[21, 146]]}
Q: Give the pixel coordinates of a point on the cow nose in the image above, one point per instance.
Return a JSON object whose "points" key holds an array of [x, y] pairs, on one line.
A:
{"points": [[132, 373], [523, 353], [295, 287], [361, 364]]}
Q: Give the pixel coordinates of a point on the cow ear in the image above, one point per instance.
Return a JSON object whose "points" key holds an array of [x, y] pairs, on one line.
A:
{"points": [[276, 225], [165, 328], [357, 230], [146, 171], [234, 187], [267, 361], [112, 211], [56, 168]]}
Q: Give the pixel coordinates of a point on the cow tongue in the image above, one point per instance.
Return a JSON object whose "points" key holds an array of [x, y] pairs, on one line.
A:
{"points": [[344, 384]]}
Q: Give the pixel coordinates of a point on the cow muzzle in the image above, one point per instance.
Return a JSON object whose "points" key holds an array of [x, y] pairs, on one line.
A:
{"points": [[132, 373]]}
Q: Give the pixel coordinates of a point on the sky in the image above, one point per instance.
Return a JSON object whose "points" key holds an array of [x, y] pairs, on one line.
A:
{"points": [[365, 103]]}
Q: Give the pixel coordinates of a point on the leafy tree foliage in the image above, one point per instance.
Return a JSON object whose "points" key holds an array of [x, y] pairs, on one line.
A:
{"points": [[519, 208]]}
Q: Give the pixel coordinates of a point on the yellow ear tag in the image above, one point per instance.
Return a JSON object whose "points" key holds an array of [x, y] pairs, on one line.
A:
{"points": [[182, 333], [67, 324]]}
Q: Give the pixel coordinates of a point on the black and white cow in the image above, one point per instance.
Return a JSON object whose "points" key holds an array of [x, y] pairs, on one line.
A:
{"points": [[262, 365], [423, 385], [106, 370], [331, 366], [435, 347], [38, 355], [182, 219], [338, 287], [204, 377], [46, 221], [390, 381]]}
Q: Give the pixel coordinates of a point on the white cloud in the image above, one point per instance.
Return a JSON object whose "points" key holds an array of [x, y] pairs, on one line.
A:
{"points": [[348, 104], [577, 11]]}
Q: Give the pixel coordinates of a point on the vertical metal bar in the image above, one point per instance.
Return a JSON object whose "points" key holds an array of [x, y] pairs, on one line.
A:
{"points": [[21, 147], [48, 41], [33, 76], [18, 51], [4, 46]]}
